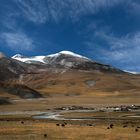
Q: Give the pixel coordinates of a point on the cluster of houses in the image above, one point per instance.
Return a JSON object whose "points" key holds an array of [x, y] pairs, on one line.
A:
{"points": [[103, 109], [74, 108], [121, 108]]}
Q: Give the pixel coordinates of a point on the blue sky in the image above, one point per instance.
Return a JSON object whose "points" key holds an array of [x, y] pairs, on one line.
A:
{"points": [[104, 30]]}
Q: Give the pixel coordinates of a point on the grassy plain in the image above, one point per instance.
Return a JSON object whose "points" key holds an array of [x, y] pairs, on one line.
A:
{"points": [[70, 89]]}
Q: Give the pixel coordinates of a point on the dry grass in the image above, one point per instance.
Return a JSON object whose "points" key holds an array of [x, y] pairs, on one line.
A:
{"points": [[58, 91], [35, 130], [70, 88]]}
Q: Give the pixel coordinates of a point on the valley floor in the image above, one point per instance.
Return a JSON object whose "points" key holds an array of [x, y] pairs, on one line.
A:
{"points": [[22, 129], [89, 119]]}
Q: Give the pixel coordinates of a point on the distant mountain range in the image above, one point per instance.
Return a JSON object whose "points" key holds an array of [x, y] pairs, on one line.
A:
{"points": [[66, 60], [47, 59], [33, 77]]}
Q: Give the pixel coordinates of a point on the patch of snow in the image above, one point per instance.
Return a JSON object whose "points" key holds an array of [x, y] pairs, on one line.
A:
{"points": [[67, 53], [132, 72], [70, 53], [41, 58], [53, 55], [18, 56], [73, 54], [35, 58]]}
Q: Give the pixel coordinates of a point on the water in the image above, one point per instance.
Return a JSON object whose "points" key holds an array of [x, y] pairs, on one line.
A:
{"points": [[57, 115]]}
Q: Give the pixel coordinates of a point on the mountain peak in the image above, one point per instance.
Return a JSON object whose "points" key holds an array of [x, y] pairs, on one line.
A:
{"points": [[66, 60], [65, 52], [2, 55], [60, 58], [18, 56], [70, 53]]}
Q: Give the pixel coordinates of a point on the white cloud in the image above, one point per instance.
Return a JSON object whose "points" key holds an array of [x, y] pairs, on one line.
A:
{"points": [[33, 10], [122, 51], [17, 41], [134, 8], [9, 21], [41, 11]]}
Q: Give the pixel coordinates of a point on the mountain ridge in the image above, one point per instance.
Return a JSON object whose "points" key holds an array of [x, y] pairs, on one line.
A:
{"points": [[41, 58], [63, 73], [66, 60]]}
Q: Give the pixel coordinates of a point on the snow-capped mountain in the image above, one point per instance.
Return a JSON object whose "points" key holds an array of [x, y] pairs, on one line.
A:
{"points": [[132, 72], [49, 58], [18, 56], [67, 53], [29, 59], [66, 60]]}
